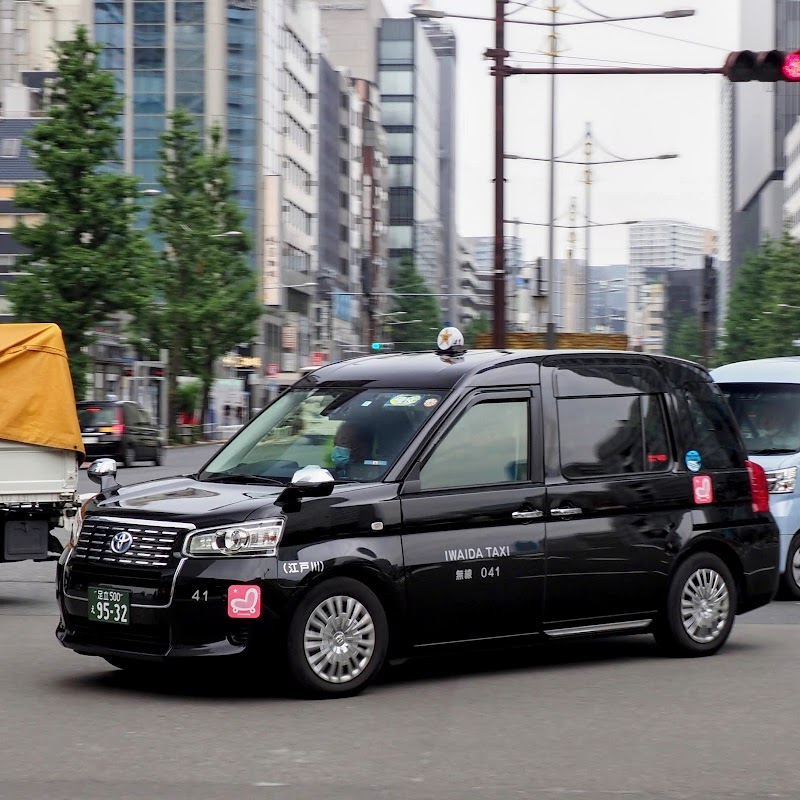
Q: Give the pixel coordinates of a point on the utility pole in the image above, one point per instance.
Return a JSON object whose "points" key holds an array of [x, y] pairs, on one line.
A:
{"points": [[708, 276], [499, 283], [550, 337], [588, 177], [570, 294]]}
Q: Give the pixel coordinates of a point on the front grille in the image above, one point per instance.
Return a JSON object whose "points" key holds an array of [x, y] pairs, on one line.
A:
{"points": [[151, 544]]}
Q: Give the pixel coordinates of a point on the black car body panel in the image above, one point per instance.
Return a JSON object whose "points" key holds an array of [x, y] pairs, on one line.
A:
{"points": [[543, 551]]}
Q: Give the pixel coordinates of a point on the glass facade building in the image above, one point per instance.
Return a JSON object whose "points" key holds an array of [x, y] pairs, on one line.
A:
{"points": [[408, 79], [201, 55]]}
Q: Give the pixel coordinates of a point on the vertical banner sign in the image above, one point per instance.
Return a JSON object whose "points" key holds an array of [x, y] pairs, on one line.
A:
{"points": [[272, 235]]}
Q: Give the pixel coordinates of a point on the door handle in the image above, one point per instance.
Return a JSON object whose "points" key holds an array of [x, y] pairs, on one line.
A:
{"points": [[527, 514], [565, 512]]}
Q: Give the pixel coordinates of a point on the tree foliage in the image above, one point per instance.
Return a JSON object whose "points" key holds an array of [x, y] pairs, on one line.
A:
{"points": [[759, 325], [86, 260], [206, 288], [415, 300], [476, 327], [685, 338]]}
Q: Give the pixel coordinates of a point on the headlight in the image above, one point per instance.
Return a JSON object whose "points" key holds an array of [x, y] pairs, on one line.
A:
{"points": [[248, 539], [782, 481]]}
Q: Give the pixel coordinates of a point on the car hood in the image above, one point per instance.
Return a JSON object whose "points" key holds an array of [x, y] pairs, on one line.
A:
{"points": [[187, 500]]}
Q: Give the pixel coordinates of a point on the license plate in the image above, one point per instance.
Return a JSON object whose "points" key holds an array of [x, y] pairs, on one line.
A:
{"points": [[110, 605], [90, 439]]}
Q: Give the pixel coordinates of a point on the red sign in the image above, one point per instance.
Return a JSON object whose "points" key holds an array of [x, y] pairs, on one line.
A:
{"points": [[703, 489], [317, 358], [244, 602], [273, 369]]}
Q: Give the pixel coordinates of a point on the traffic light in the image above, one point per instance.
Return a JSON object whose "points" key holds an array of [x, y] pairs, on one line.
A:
{"points": [[770, 66], [156, 372], [382, 345]]}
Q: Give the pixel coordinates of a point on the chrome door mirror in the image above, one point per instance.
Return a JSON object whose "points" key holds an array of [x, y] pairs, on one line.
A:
{"points": [[312, 481], [104, 472]]}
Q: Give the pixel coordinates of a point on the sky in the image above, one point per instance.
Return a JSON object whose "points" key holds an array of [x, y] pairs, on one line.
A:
{"points": [[631, 116]]}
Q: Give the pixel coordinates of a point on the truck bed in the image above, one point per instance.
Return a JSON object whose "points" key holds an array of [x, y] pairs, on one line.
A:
{"points": [[33, 474]]}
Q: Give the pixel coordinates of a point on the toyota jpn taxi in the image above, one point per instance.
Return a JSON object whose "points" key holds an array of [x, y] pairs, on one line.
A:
{"points": [[403, 503]]}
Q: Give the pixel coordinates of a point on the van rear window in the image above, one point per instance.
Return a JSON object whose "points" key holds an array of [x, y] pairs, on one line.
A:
{"points": [[97, 416], [716, 435]]}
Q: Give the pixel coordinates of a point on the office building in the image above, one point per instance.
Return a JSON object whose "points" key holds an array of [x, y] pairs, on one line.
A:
{"points": [[608, 291], [408, 78], [444, 45], [792, 180], [657, 247], [350, 36]]}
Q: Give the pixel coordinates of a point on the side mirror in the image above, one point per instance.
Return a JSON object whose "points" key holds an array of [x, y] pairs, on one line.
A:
{"points": [[312, 481], [104, 472]]}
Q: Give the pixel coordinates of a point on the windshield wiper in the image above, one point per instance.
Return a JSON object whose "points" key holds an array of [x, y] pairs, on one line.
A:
{"points": [[242, 477]]}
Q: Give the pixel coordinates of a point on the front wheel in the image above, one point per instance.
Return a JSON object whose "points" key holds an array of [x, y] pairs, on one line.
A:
{"points": [[700, 607], [338, 638], [790, 580]]}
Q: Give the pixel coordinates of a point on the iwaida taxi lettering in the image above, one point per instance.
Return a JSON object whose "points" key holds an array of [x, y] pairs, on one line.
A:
{"points": [[472, 553]]}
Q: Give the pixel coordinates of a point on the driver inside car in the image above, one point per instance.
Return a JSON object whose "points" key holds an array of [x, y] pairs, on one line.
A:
{"points": [[352, 448]]}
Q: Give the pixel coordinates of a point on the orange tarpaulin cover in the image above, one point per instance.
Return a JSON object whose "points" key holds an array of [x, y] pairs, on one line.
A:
{"points": [[37, 401]]}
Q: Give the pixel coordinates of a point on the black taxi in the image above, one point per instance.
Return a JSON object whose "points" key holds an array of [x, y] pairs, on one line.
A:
{"points": [[394, 504]]}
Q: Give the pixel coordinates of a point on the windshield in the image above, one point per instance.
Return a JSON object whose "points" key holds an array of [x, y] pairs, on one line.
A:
{"points": [[355, 433], [768, 416]]}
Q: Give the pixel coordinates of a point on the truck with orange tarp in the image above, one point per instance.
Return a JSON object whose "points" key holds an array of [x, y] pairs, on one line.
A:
{"points": [[40, 441]]}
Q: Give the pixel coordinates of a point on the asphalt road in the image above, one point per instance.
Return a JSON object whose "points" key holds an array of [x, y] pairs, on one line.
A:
{"points": [[594, 721]]}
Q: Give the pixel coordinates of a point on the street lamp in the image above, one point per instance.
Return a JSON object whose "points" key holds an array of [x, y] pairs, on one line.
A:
{"points": [[498, 54]]}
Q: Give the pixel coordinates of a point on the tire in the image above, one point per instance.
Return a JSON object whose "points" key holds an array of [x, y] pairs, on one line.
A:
{"points": [[128, 455], [790, 579], [700, 576], [158, 457], [322, 660]]}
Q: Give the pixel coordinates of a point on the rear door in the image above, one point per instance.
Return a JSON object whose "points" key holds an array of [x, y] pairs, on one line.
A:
{"points": [[615, 495], [473, 526], [149, 434]]}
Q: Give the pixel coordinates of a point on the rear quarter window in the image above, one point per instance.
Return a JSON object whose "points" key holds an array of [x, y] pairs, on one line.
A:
{"points": [[711, 423]]}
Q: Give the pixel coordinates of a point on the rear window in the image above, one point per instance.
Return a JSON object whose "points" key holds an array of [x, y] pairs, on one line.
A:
{"points": [[97, 416], [716, 436], [603, 436]]}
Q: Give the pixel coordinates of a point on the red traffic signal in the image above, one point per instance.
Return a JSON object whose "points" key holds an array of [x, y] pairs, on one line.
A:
{"points": [[156, 372], [770, 66]]}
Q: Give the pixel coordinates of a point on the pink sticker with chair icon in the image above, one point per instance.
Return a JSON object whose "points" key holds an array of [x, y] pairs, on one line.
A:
{"points": [[703, 489], [244, 602]]}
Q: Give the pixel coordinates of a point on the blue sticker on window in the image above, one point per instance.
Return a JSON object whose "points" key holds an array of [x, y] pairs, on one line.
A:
{"points": [[693, 461]]}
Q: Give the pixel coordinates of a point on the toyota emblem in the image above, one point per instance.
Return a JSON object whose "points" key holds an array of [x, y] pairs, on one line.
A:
{"points": [[121, 542]]}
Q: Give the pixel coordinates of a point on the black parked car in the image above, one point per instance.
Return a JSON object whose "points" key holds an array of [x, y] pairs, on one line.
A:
{"points": [[435, 500], [121, 430]]}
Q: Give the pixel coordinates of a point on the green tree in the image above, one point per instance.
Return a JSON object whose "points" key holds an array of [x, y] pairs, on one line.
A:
{"points": [[86, 259], [685, 338], [414, 298], [476, 327], [226, 296], [759, 325], [206, 289]]}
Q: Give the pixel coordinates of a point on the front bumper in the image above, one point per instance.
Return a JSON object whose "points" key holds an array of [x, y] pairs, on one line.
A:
{"points": [[177, 612]]}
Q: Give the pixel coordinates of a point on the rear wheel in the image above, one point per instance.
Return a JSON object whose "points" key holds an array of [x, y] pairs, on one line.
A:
{"points": [[700, 608], [790, 580], [158, 455], [338, 638]]}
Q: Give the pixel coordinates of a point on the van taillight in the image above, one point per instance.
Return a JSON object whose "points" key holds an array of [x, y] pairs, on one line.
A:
{"points": [[119, 428], [758, 487]]}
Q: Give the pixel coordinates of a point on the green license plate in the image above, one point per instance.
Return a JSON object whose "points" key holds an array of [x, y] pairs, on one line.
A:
{"points": [[110, 605]]}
